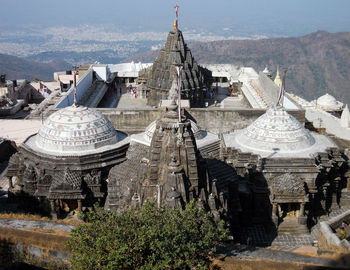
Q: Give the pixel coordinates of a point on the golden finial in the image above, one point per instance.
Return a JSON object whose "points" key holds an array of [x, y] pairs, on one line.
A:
{"points": [[175, 24]]}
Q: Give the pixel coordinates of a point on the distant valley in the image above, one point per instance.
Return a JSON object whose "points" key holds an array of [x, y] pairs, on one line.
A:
{"points": [[19, 68], [317, 63]]}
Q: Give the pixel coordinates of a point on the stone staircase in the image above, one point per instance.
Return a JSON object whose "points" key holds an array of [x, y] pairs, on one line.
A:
{"points": [[87, 94], [290, 226], [94, 94]]}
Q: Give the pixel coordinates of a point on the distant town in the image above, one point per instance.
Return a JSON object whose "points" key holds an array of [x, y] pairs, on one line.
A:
{"points": [[70, 43]]}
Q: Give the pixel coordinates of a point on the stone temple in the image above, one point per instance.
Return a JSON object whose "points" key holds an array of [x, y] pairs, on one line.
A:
{"points": [[286, 167], [170, 171], [239, 154], [66, 163], [161, 77]]}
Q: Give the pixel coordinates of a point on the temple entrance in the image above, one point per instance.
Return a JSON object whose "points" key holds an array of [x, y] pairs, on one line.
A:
{"points": [[291, 218], [289, 210]]}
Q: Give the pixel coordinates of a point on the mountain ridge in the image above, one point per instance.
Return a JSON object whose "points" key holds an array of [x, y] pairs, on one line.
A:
{"points": [[20, 68]]}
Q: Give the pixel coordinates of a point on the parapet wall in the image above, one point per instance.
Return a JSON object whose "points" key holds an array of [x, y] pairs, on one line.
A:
{"points": [[328, 240], [48, 247], [214, 120]]}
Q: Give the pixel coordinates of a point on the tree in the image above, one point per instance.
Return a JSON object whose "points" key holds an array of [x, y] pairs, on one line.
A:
{"points": [[145, 238]]}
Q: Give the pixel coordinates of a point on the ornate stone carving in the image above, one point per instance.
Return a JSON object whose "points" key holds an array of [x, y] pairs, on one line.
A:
{"points": [[288, 184], [93, 178], [29, 180], [66, 180]]}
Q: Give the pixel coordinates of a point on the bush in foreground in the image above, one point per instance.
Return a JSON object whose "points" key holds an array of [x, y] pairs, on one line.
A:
{"points": [[145, 238]]}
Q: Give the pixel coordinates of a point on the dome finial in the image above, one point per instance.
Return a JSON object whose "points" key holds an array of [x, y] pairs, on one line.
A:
{"points": [[277, 80]]}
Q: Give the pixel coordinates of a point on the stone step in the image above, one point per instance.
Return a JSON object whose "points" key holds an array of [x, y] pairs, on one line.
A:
{"points": [[291, 227]]}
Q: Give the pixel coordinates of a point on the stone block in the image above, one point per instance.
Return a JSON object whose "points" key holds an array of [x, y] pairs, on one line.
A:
{"points": [[56, 254], [35, 251]]}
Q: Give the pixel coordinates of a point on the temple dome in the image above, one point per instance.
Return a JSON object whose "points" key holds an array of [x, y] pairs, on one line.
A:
{"points": [[328, 103], [76, 129], [275, 130]]}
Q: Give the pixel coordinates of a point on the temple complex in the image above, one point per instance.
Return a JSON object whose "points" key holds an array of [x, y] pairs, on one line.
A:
{"points": [[243, 150]]}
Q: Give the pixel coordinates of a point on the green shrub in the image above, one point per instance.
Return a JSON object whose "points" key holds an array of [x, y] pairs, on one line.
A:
{"points": [[145, 238]]}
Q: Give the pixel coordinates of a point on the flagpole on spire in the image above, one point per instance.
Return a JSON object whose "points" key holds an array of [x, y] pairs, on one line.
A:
{"points": [[75, 88], [179, 69], [177, 16], [284, 85], [282, 90]]}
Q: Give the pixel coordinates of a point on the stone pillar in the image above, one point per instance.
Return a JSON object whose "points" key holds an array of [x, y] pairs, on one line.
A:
{"points": [[53, 209], [348, 183], [302, 218], [302, 209], [324, 201], [312, 204], [335, 194], [9, 179], [275, 215], [79, 206]]}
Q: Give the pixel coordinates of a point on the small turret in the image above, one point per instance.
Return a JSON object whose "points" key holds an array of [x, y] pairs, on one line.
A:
{"points": [[278, 80], [267, 72], [345, 117]]}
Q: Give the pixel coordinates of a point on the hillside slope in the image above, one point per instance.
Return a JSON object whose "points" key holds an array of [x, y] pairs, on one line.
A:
{"points": [[19, 68], [317, 63]]}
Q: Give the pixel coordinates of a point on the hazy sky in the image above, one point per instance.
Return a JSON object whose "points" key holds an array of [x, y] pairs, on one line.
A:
{"points": [[273, 17]]}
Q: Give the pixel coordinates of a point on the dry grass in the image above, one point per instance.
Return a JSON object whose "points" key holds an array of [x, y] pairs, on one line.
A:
{"points": [[35, 238], [49, 231], [39, 218]]}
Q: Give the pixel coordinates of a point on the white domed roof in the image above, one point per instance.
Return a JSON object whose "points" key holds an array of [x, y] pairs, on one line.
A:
{"points": [[76, 129], [275, 130], [328, 102]]}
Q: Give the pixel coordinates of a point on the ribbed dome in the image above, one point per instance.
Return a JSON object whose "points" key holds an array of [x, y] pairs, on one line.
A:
{"points": [[275, 130], [76, 129], [328, 102]]}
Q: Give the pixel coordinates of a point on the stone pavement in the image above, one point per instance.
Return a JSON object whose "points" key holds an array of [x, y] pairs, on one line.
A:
{"points": [[113, 99], [248, 252], [257, 235], [126, 101], [290, 242]]}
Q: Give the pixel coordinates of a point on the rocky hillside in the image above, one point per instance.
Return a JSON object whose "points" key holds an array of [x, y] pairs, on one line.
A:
{"points": [[19, 68], [317, 63]]}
